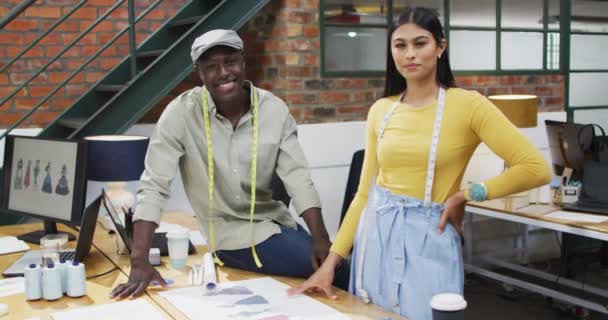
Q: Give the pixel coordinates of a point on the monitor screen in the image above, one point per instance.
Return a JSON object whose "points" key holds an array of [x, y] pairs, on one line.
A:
{"points": [[565, 146], [44, 178]]}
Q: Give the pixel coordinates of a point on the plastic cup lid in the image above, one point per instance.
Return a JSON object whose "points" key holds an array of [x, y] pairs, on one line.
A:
{"points": [[448, 302]]}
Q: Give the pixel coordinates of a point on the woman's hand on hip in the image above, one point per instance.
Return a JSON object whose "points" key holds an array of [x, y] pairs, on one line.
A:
{"points": [[453, 212]]}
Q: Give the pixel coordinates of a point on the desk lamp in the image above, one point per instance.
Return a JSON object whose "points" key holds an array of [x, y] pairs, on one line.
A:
{"points": [[521, 110], [116, 159]]}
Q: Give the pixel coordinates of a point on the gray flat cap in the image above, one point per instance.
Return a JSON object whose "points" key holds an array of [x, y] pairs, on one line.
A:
{"points": [[210, 39]]}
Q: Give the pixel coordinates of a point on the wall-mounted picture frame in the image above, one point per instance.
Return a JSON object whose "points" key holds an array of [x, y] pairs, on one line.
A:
{"points": [[44, 178]]}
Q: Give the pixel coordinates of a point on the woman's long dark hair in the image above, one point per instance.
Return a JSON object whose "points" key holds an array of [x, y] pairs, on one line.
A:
{"points": [[425, 18]]}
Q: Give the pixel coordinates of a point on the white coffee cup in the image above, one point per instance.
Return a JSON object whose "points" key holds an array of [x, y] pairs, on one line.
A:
{"points": [[533, 195], [177, 242], [448, 306], [544, 194]]}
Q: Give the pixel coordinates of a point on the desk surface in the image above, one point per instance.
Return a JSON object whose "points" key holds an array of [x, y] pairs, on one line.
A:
{"points": [[97, 288], [520, 207], [346, 303]]}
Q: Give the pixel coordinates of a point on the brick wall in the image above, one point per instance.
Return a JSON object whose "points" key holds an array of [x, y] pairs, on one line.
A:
{"points": [[37, 19], [283, 55], [282, 45]]}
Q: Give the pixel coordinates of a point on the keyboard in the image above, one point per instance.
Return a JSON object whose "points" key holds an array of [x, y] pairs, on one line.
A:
{"points": [[594, 208], [67, 255], [35, 257]]}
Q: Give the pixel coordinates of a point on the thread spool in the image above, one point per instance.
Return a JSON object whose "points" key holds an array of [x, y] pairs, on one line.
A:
{"points": [[62, 267], [51, 283], [76, 279], [33, 282]]}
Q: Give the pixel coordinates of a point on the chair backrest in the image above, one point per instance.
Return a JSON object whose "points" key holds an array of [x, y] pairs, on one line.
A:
{"points": [[278, 190], [353, 181]]}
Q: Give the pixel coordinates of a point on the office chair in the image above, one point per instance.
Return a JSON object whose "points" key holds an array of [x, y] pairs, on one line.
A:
{"points": [[278, 190], [354, 174]]}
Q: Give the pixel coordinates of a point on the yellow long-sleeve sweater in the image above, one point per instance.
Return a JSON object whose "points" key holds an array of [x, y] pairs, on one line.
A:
{"points": [[402, 155]]}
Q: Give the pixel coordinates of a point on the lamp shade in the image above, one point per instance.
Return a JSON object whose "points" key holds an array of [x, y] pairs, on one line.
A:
{"points": [[520, 109], [116, 157]]}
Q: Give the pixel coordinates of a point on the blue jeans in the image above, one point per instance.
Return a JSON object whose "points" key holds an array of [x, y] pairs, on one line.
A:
{"points": [[285, 254]]}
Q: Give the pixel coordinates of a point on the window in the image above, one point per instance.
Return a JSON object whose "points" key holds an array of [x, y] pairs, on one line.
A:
{"points": [[487, 36]]}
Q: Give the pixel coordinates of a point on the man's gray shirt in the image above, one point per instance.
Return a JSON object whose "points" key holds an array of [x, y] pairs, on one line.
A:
{"points": [[179, 141]]}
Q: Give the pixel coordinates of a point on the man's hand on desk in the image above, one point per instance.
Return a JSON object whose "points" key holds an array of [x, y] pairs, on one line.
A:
{"points": [[320, 238], [453, 212], [320, 250], [142, 273]]}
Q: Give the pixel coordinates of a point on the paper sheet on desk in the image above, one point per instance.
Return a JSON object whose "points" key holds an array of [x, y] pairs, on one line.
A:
{"points": [[12, 286], [123, 310], [577, 216], [195, 236], [10, 244], [256, 299]]}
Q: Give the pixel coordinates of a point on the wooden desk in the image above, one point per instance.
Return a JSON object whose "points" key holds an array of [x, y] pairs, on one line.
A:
{"points": [[532, 215], [346, 303], [98, 289]]}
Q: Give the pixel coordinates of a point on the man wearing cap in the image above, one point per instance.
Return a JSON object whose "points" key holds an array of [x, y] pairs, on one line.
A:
{"points": [[228, 138]]}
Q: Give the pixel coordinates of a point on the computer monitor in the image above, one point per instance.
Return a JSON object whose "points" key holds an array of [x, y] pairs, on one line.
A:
{"points": [[44, 178], [566, 147]]}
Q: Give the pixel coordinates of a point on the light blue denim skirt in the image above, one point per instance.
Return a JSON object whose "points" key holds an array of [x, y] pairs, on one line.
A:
{"points": [[407, 261]]}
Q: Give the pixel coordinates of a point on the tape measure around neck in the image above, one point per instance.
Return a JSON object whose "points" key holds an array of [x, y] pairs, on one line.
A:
{"points": [[430, 173], [254, 161]]}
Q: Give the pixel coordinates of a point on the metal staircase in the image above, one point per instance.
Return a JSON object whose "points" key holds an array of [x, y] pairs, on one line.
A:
{"points": [[141, 79]]}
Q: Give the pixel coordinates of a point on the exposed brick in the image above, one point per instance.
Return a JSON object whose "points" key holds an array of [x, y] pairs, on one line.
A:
{"points": [[3, 79], [11, 38], [300, 98], [299, 17], [333, 97], [26, 104], [44, 117], [83, 13], [65, 26], [156, 14], [311, 4], [359, 109], [324, 112], [58, 77], [75, 89], [52, 51], [43, 12], [300, 44], [292, 59], [296, 113], [294, 30], [8, 119], [311, 59], [319, 84], [311, 31], [39, 91], [497, 90], [93, 76], [23, 25], [296, 71], [291, 3], [35, 52], [109, 63]]}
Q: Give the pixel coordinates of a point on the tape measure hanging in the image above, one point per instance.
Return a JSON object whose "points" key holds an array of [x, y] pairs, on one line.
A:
{"points": [[254, 162]]}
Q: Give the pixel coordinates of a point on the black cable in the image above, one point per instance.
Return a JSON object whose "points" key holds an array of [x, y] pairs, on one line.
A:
{"points": [[102, 274]]}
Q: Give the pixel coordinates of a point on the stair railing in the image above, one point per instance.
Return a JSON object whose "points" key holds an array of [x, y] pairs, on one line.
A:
{"points": [[132, 47]]}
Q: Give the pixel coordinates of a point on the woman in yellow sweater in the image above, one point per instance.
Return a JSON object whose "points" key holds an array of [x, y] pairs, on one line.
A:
{"points": [[420, 138]]}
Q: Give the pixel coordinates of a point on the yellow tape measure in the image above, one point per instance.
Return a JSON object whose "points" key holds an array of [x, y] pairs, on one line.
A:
{"points": [[254, 162]]}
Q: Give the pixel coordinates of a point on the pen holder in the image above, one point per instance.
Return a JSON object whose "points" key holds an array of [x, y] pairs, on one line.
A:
{"points": [[570, 193]]}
